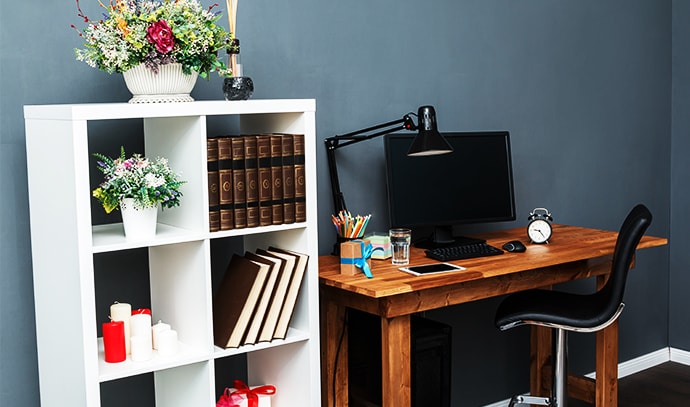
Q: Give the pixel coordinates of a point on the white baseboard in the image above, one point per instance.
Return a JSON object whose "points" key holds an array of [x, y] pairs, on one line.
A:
{"points": [[640, 363], [680, 356], [635, 365]]}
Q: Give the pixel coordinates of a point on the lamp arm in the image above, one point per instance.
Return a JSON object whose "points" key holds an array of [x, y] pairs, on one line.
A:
{"points": [[333, 143]]}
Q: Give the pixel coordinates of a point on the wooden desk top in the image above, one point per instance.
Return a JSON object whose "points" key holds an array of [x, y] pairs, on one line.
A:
{"points": [[569, 245]]}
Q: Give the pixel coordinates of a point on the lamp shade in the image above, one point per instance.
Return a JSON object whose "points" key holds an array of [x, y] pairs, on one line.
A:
{"points": [[428, 141]]}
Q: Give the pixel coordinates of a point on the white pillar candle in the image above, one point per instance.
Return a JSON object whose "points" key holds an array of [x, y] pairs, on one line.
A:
{"points": [[141, 326], [121, 311], [156, 330], [167, 343], [141, 348]]}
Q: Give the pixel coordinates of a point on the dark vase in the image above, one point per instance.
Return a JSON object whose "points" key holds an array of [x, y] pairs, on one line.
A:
{"points": [[238, 88]]}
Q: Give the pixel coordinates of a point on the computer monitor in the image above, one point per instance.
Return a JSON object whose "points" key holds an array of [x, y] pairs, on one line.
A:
{"points": [[473, 184]]}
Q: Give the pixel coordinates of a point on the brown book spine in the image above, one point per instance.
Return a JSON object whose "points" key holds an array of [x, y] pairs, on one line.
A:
{"points": [[276, 180], [288, 178], [239, 192], [213, 190], [227, 218], [300, 181], [263, 147], [236, 299], [251, 172]]}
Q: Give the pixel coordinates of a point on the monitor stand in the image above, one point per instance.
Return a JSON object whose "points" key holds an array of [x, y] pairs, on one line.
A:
{"points": [[442, 236]]}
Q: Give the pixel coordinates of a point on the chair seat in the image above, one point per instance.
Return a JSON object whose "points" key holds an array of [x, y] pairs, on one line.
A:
{"points": [[553, 307]]}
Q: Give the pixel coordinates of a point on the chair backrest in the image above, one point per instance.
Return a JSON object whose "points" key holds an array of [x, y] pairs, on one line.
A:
{"points": [[632, 230]]}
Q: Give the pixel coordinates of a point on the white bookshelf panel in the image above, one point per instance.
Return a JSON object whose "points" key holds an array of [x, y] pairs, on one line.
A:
{"points": [[287, 365], [186, 386], [293, 336], [181, 291], [64, 242], [112, 371], [178, 139], [111, 238]]}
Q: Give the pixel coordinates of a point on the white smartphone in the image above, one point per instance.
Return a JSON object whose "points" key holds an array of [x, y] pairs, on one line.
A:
{"points": [[434, 268]]}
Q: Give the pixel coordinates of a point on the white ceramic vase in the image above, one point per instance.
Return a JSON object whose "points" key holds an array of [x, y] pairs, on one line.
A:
{"points": [[170, 84], [139, 222]]}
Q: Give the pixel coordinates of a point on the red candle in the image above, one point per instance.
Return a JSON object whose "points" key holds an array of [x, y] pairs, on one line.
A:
{"points": [[114, 341], [141, 311]]}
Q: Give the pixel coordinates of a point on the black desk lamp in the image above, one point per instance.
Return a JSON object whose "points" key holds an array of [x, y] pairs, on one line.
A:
{"points": [[428, 142]]}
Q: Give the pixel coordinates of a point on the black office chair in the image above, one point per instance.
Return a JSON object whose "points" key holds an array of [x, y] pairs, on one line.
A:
{"points": [[574, 312]]}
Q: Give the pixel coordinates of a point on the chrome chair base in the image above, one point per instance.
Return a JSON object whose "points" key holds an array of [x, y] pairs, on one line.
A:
{"points": [[531, 400], [559, 390]]}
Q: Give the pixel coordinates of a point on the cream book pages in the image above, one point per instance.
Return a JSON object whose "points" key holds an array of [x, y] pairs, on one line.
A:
{"points": [[292, 292], [271, 320], [264, 301]]}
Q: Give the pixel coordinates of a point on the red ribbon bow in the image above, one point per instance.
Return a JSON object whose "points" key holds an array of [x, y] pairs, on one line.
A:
{"points": [[234, 399]]}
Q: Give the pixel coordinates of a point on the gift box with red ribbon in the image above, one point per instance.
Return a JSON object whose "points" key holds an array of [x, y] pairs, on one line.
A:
{"points": [[243, 396]]}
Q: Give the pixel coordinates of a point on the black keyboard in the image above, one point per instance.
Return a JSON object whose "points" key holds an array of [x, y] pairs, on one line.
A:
{"points": [[465, 251]]}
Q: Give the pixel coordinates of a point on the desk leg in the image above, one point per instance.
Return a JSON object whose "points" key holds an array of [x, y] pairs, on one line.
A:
{"points": [[606, 386], [334, 374], [540, 370], [396, 362], [607, 367]]}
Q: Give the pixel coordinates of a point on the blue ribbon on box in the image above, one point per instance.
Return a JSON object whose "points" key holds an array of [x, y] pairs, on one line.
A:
{"points": [[361, 262]]}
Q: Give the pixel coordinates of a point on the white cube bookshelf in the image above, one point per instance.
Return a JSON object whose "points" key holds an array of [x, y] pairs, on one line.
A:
{"points": [[64, 242]]}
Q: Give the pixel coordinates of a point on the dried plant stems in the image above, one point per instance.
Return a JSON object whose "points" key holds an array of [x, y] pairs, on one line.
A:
{"points": [[232, 23]]}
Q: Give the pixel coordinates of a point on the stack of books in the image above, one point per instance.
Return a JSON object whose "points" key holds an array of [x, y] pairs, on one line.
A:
{"points": [[257, 296], [256, 180]]}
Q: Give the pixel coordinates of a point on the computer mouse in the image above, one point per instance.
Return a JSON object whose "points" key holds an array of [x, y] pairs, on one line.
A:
{"points": [[514, 246]]}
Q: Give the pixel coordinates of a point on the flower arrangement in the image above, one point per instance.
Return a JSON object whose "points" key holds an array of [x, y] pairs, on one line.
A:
{"points": [[148, 182], [154, 32]]}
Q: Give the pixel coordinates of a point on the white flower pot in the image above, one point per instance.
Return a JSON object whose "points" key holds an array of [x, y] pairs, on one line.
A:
{"points": [[139, 222], [170, 84]]}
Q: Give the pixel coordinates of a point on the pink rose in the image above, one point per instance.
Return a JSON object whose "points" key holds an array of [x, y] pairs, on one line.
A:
{"points": [[160, 34]]}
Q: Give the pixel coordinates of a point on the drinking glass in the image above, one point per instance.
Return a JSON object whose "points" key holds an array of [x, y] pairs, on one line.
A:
{"points": [[400, 245]]}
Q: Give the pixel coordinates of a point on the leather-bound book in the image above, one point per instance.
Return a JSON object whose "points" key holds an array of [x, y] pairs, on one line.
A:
{"points": [[263, 148], [300, 181], [213, 187], [276, 179], [257, 320], [239, 191], [251, 172], [227, 212], [292, 292], [279, 292], [236, 299], [288, 159]]}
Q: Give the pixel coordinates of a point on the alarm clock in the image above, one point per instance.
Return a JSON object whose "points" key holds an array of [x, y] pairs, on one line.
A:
{"points": [[539, 227]]}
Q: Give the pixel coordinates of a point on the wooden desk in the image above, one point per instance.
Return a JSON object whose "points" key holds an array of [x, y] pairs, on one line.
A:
{"points": [[573, 253]]}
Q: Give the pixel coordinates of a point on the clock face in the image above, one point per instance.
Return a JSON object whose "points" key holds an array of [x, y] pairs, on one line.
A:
{"points": [[539, 231]]}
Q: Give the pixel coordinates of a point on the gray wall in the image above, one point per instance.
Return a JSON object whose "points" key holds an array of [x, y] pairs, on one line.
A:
{"points": [[679, 301], [584, 87]]}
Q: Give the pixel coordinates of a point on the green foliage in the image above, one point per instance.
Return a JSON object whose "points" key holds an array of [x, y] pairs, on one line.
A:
{"points": [[149, 182]]}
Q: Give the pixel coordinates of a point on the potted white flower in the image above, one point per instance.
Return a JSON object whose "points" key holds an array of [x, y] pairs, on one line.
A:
{"points": [[137, 186]]}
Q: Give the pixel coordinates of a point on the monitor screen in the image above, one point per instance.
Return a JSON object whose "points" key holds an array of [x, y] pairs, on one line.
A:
{"points": [[473, 184]]}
